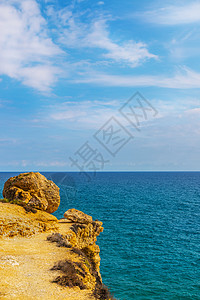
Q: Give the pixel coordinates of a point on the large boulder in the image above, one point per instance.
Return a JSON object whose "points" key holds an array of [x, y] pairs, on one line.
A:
{"points": [[34, 190]]}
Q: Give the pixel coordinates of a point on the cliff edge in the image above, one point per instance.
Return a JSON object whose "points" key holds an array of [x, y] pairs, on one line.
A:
{"points": [[42, 257]]}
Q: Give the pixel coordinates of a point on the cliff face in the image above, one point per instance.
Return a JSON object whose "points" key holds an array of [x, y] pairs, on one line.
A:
{"points": [[79, 240], [43, 258]]}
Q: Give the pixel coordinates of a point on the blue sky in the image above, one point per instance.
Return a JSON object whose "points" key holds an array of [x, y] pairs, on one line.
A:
{"points": [[67, 67]]}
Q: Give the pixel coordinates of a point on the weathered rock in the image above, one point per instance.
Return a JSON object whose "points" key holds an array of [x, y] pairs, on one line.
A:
{"points": [[38, 263], [83, 236], [33, 189], [15, 221], [77, 216]]}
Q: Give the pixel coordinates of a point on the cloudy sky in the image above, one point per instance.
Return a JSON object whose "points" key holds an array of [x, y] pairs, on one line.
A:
{"points": [[68, 68]]}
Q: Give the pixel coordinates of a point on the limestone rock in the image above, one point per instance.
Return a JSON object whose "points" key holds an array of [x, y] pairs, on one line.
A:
{"points": [[33, 189], [82, 234], [85, 234], [38, 263], [77, 216], [15, 221]]}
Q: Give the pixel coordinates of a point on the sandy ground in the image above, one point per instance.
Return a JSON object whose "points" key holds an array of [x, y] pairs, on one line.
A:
{"points": [[25, 273]]}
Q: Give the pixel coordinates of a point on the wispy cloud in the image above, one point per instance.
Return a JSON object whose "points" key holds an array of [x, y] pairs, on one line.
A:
{"points": [[131, 52], [174, 15], [26, 50], [82, 114], [184, 78], [194, 111], [75, 33], [184, 45]]}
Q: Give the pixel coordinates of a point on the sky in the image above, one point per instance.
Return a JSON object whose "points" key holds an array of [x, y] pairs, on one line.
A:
{"points": [[93, 86]]}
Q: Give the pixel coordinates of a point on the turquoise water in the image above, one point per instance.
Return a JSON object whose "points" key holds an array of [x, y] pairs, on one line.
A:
{"points": [[150, 247]]}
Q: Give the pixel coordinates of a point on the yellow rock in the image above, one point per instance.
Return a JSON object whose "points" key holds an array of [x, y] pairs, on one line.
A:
{"points": [[15, 221], [77, 216], [25, 270], [32, 266], [33, 189], [83, 237]]}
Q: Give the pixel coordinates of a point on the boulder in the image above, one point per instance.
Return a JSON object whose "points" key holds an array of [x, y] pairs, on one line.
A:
{"points": [[77, 216], [34, 190]]}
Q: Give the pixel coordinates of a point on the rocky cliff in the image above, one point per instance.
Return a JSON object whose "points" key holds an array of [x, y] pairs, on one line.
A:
{"points": [[45, 258]]}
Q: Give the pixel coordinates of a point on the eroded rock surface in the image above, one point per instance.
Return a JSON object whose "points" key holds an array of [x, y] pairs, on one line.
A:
{"points": [[33, 189], [68, 256], [78, 234], [15, 221], [77, 216], [83, 235]]}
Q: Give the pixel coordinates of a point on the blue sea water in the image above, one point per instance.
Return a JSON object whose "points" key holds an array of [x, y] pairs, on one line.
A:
{"points": [[150, 247]]}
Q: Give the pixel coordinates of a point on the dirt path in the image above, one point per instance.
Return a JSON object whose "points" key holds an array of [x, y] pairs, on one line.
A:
{"points": [[25, 273]]}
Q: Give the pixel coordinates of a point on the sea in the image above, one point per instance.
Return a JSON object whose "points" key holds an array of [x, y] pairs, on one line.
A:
{"points": [[150, 246]]}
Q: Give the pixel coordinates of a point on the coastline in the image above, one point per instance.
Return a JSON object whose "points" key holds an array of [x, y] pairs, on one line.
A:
{"points": [[29, 259]]}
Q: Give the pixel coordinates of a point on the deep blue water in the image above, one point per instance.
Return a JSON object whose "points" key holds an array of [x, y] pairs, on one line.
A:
{"points": [[150, 247]]}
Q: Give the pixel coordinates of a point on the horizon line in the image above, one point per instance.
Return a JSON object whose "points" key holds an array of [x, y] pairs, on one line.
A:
{"points": [[109, 171]]}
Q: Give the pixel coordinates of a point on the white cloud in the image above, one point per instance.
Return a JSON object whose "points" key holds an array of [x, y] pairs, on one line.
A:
{"points": [[40, 77], [95, 34], [68, 114], [84, 115], [50, 163], [183, 79], [25, 48], [175, 15], [185, 44], [129, 52], [194, 112], [78, 115]]}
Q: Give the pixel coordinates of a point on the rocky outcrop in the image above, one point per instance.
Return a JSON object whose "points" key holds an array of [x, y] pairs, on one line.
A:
{"points": [[77, 216], [28, 269], [34, 190], [83, 235], [78, 234], [15, 221], [68, 256]]}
